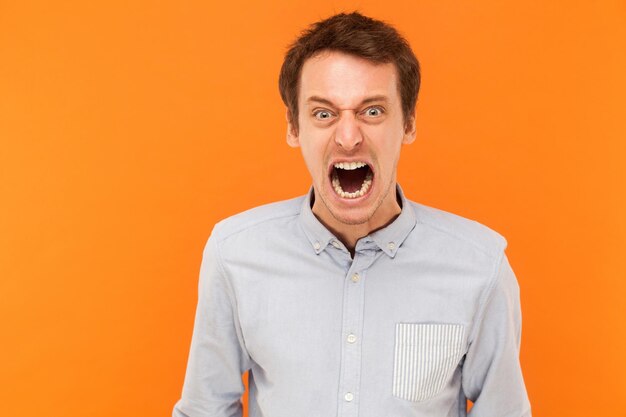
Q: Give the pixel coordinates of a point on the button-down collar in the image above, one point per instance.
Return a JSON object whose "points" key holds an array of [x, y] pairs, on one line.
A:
{"points": [[388, 239]]}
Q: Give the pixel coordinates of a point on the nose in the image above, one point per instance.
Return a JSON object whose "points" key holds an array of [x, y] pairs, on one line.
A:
{"points": [[348, 132]]}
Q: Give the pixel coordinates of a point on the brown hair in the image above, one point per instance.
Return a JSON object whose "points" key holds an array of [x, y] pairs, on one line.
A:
{"points": [[357, 35]]}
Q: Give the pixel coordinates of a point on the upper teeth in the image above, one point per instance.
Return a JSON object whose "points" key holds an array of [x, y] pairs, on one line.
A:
{"points": [[350, 165]]}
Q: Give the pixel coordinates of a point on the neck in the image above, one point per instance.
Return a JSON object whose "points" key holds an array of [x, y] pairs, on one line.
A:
{"points": [[349, 234]]}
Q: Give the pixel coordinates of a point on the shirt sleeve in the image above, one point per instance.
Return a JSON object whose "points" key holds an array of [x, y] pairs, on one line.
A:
{"points": [[492, 376], [217, 359]]}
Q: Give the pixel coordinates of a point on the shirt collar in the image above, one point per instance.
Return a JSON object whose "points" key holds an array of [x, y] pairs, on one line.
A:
{"points": [[388, 239], [315, 231]]}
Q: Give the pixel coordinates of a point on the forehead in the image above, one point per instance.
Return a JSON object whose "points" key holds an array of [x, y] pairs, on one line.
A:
{"points": [[346, 80]]}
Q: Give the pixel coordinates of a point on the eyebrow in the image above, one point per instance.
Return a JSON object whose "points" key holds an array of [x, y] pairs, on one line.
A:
{"points": [[327, 102]]}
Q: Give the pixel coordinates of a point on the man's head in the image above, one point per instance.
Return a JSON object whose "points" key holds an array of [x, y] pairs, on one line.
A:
{"points": [[357, 35], [350, 85]]}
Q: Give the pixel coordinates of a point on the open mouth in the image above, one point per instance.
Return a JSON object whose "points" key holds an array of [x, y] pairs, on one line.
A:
{"points": [[351, 179]]}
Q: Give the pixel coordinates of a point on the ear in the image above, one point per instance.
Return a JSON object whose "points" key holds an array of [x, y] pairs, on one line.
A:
{"points": [[409, 131], [293, 139]]}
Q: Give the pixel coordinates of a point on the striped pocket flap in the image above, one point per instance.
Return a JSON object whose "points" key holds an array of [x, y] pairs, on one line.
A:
{"points": [[425, 358]]}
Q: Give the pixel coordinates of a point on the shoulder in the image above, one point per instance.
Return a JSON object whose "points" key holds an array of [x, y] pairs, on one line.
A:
{"points": [[266, 215], [461, 229]]}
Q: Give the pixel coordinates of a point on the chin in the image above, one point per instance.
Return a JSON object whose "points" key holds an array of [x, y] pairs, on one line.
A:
{"points": [[351, 219], [350, 212]]}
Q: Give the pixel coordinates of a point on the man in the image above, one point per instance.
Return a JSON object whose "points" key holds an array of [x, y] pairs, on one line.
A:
{"points": [[353, 300]]}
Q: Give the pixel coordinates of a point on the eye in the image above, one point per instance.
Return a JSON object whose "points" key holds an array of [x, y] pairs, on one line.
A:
{"points": [[373, 111], [322, 114]]}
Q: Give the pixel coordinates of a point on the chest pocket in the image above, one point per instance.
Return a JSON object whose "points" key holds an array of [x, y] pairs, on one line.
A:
{"points": [[426, 355]]}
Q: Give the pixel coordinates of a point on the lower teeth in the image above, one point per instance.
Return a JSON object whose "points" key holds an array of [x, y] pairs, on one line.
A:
{"points": [[359, 193]]}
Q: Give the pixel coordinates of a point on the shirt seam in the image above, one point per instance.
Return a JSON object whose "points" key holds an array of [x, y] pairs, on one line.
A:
{"points": [[487, 295], [232, 298], [482, 248], [248, 224]]}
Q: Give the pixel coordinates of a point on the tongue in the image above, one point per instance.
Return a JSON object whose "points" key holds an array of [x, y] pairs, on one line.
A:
{"points": [[352, 180]]}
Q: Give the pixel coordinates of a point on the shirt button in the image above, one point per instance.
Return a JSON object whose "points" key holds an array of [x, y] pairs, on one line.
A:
{"points": [[355, 278], [335, 244], [391, 245], [351, 338], [348, 396], [317, 245]]}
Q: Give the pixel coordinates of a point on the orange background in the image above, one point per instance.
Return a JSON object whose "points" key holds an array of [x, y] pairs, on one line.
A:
{"points": [[129, 128]]}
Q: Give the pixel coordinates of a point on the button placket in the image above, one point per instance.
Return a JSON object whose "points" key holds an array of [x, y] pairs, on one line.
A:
{"points": [[354, 292]]}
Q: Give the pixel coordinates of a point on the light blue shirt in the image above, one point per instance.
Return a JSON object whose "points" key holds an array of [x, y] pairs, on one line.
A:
{"points": [[425, 315]]}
